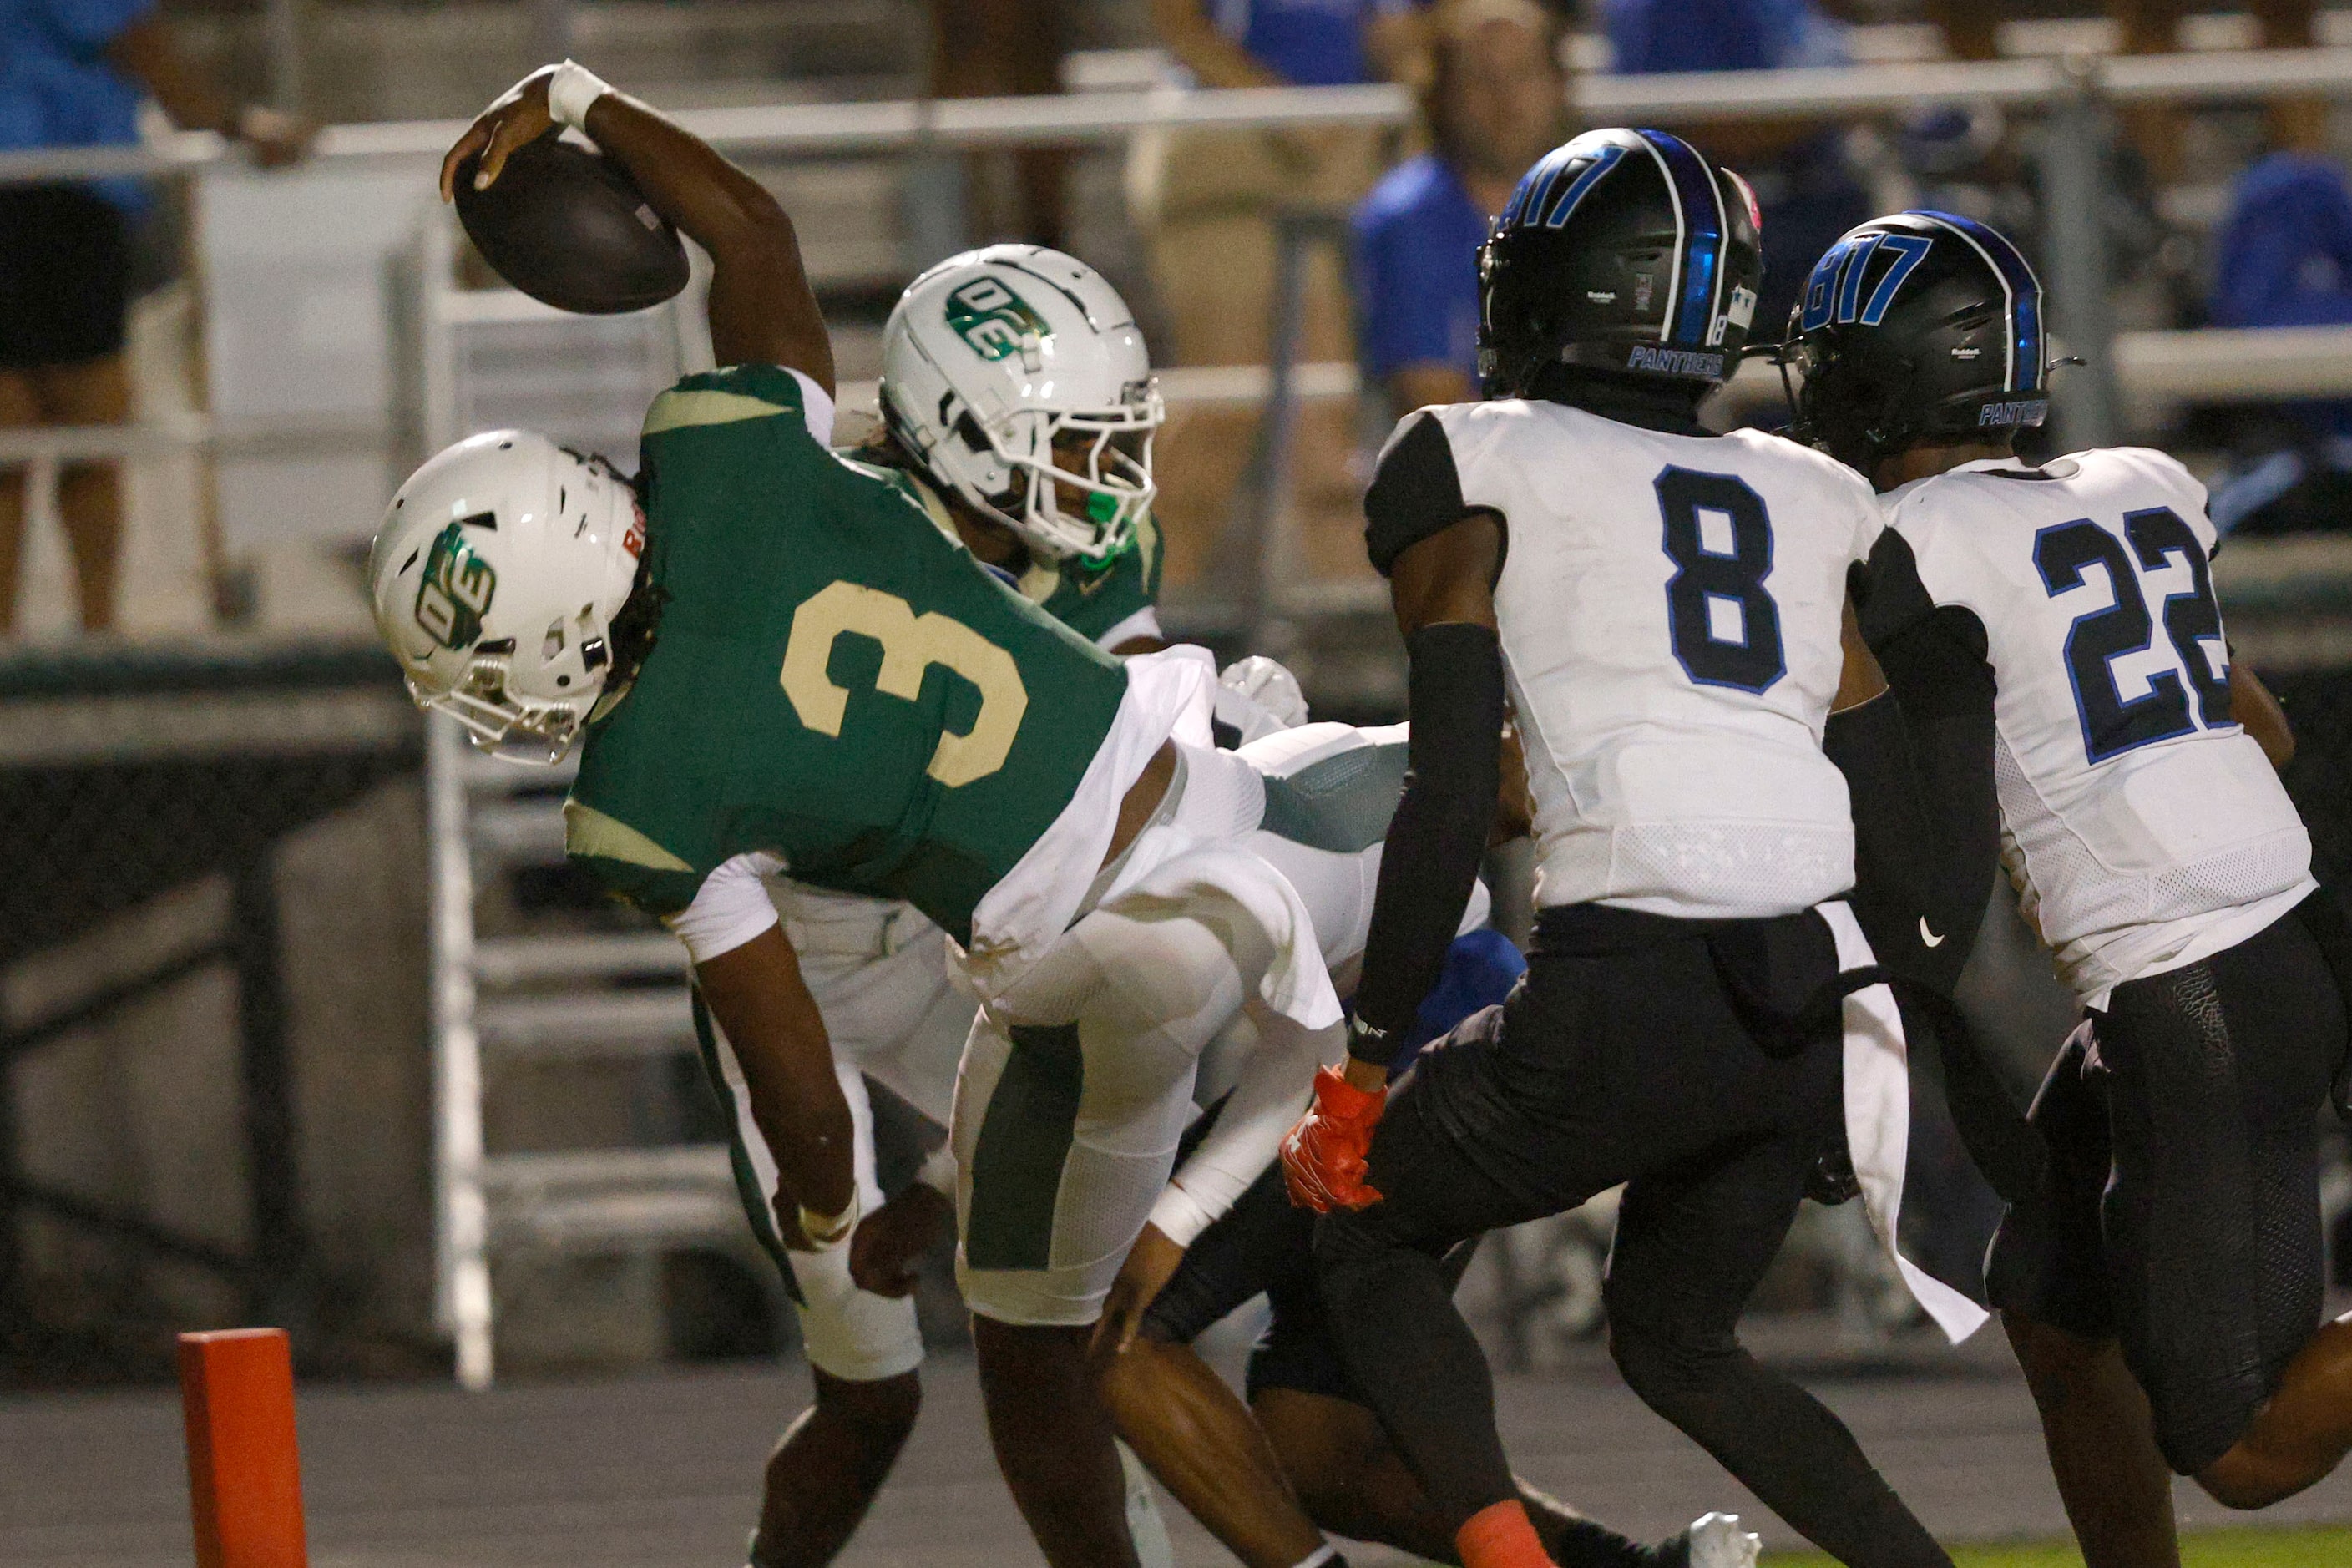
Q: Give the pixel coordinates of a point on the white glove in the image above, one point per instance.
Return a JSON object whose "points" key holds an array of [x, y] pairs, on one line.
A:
{"points": [[1259, 698]]}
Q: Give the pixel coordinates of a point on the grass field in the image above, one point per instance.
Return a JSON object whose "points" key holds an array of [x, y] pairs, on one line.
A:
{"points": [[2213, 1549]]}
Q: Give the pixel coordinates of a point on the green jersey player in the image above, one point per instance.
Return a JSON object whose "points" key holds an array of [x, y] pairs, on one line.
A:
{"points": [[779, 661]]}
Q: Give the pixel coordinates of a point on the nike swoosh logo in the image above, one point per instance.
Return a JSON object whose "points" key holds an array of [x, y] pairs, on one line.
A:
{"points": [[1930, 938]]}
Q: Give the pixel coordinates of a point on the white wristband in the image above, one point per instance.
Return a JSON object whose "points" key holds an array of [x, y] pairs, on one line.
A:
{"points": [[570, 91], [1179, 1217], [938, 1171], [826, 1232]]}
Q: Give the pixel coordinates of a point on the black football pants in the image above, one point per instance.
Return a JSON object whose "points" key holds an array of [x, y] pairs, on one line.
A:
{"points": [[1634, 1051], [2182, 1212]]}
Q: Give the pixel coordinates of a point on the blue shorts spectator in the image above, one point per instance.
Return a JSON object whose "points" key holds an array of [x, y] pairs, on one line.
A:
{"points": [[65, 250], [1416, 242]]}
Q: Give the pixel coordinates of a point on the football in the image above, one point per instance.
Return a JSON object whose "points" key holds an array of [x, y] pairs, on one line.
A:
{"points": [[563, 224]]}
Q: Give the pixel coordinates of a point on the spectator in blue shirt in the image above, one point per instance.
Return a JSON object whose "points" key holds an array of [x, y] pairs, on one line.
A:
{"points": [[2282, 258], [72, 74], [1495, 104], [1808, 193]]}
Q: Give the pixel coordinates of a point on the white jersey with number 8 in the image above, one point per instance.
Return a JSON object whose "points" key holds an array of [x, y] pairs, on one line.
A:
{"points": [[1669, 609]]}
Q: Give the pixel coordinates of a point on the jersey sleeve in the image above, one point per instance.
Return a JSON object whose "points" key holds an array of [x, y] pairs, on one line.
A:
{"points": [[741, 394], [730, 908], [629, 863], [1416, 493], [1118, 603]]}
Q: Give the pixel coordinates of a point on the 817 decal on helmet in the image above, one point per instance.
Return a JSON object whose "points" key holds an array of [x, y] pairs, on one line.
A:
{"points": [[456, 589]]}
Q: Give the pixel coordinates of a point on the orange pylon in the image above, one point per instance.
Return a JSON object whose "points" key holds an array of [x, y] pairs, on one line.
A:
{"points": [[245, 1472]]}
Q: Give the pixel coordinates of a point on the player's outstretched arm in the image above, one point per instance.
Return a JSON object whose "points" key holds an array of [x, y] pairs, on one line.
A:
{"points": [[2253, 706], [1443, 588], [762, 310], [756, 993]]}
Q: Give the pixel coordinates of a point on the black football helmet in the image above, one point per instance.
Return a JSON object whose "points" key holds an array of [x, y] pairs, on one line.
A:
{"points": [[1923, 326], [1624, 251]]}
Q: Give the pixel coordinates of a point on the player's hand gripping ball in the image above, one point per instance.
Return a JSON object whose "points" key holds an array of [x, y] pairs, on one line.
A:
{"points": [[1324, 1157], [559, 220]]}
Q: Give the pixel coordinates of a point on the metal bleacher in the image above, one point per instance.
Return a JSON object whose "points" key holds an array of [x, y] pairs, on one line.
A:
{"points": [[568, 999]]}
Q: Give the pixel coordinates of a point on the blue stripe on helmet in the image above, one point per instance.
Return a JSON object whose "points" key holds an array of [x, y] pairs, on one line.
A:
{"points": [[1539, 174], [1703, 234], [1849, 294], [1821, 288], [1533, 202], [1601, 164], [2024, 297], [1908, 250]]}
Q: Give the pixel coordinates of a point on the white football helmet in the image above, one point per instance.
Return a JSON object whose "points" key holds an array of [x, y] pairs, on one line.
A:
{"points": [[495, 579], [1015, 373]]}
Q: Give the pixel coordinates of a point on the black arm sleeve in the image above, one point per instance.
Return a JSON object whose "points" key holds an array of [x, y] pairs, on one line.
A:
{"points": [[1920, 771], [1438, 835], [1416, 493]]}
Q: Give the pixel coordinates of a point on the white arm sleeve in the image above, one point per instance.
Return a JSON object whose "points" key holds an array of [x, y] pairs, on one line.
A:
{"points": [[1268, 1098], [731, 907], [816, 405]]}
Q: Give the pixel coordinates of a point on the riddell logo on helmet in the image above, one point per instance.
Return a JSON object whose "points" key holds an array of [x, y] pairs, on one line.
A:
{"points": [[997, 322], [1675, 361], [456, 589], [2024, 411]]}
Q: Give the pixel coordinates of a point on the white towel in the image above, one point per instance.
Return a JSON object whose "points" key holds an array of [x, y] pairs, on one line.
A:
{"points": [[1878, 1119]]}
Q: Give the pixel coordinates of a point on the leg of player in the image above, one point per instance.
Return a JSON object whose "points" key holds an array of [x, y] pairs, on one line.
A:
{"points": [[2217, 1073], [1690, 1248], [1354, 1483], [1197, 1439], [1065, 1134], [2301, 1436], [2095, 1423], [863, 1350], [824, 1475], [1054, 1441], [1392, 1312]]}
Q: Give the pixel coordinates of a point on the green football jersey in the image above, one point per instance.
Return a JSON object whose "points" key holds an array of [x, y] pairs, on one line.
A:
{"points": [[834, 680], [1092, 601]]}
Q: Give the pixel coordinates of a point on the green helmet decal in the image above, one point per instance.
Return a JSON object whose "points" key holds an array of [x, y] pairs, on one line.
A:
{"points": [[994, 321], [456, 589]]}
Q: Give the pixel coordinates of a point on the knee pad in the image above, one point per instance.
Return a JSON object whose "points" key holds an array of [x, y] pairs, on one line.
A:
{"points": [[849, 1333]]}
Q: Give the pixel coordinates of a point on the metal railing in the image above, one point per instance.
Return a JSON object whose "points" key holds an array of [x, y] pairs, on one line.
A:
{"points": [[2073, 89], [2129, 368]]}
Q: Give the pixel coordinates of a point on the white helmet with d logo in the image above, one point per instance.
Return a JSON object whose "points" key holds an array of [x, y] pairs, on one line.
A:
{"points": [[495, 579], [1017, 377]]}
